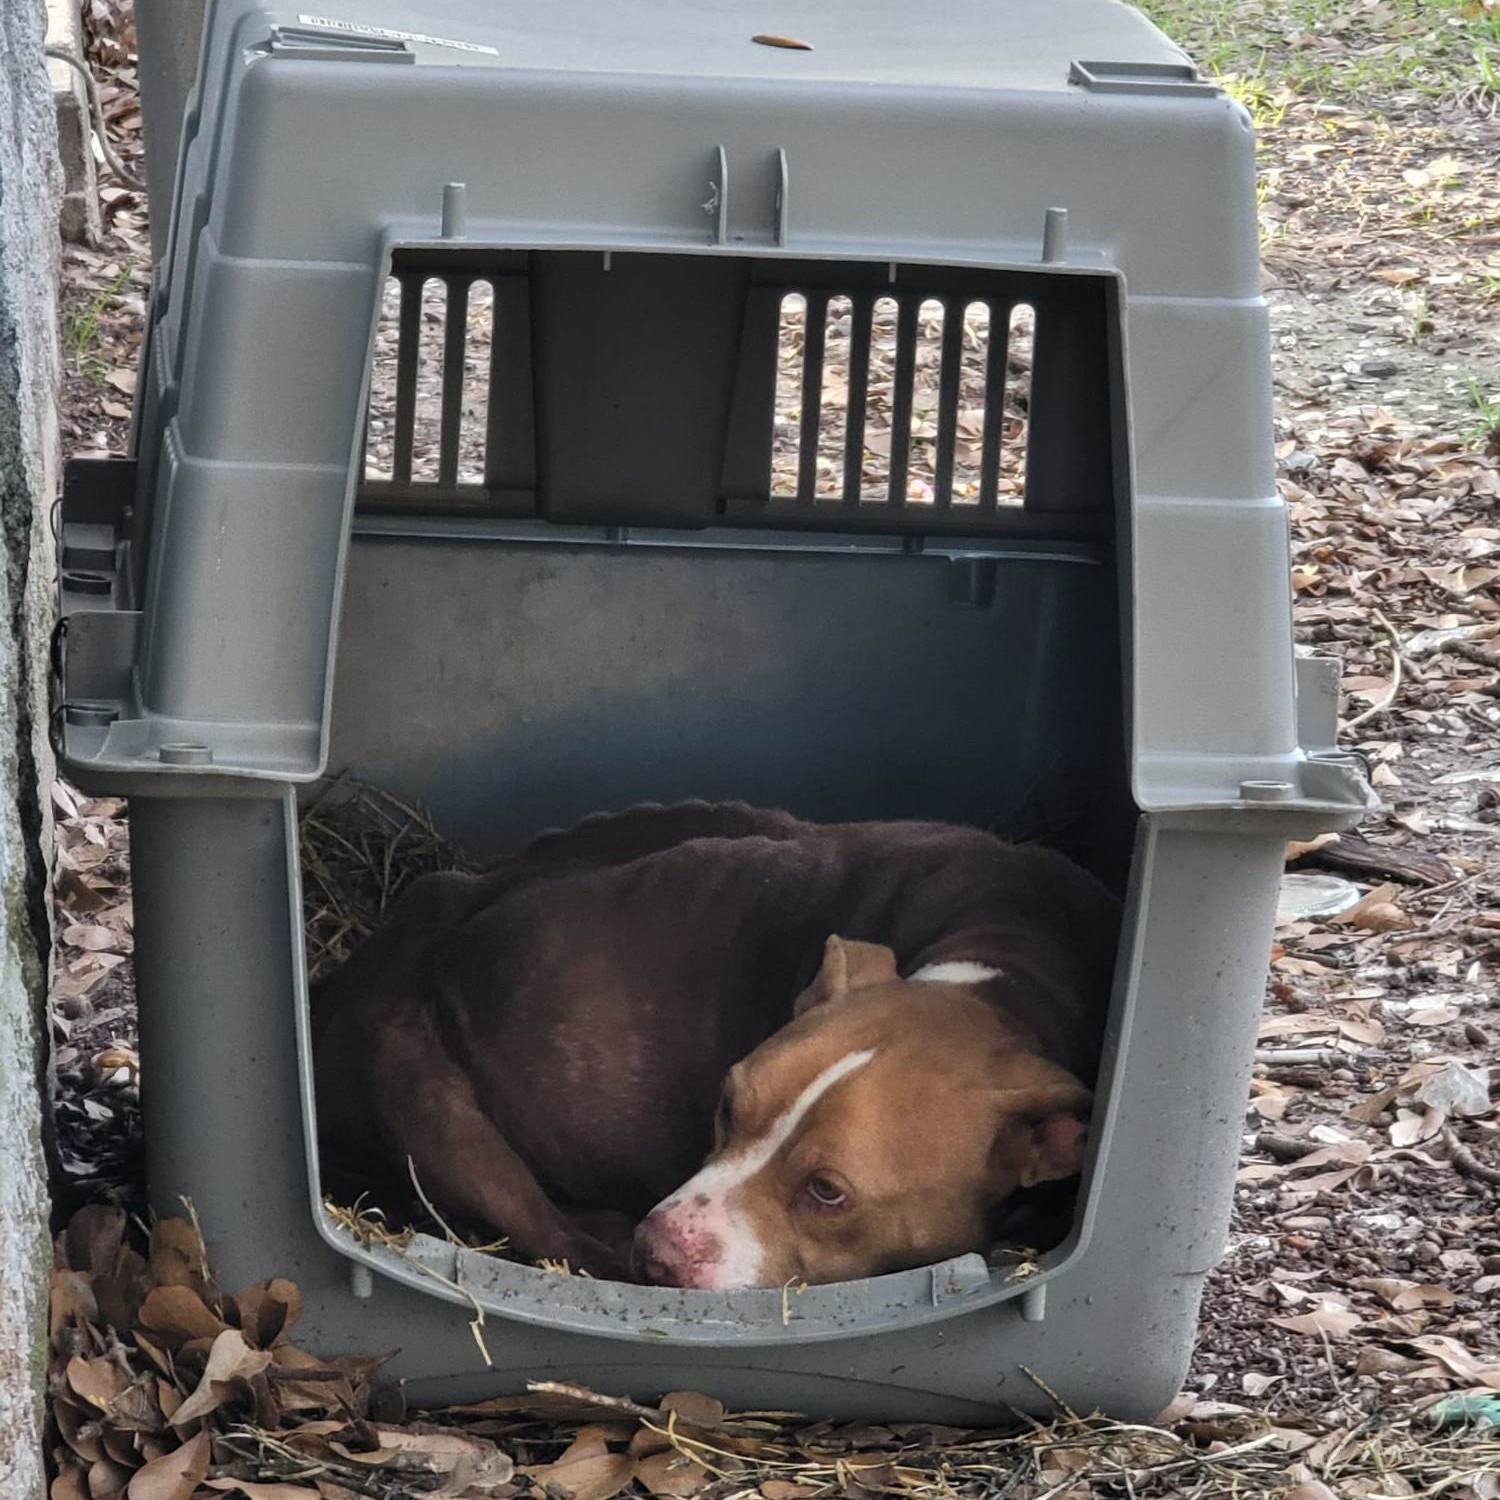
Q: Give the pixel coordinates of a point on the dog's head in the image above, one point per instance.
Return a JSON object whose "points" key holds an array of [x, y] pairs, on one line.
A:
{"points": [[877, 1131]]}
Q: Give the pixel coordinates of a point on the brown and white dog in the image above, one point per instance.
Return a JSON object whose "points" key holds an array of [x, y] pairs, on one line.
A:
{"points": [[876, 1032]]}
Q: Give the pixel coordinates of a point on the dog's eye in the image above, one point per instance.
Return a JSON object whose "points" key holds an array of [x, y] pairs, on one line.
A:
{"points": [[824, 1191]]}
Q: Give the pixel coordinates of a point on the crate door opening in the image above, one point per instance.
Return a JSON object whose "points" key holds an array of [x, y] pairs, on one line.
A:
{"points": [[878, 583]]}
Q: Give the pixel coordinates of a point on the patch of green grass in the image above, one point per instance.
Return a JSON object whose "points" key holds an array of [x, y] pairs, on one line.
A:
{"points": [[1488, 407], [80, 327], [1341, 50]]}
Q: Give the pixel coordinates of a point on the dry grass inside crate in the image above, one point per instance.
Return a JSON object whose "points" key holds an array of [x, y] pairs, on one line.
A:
{"points": [[360, 848]]}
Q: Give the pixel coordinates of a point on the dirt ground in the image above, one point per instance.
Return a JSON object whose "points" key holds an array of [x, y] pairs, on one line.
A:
{"points": [[1363, 1270]]}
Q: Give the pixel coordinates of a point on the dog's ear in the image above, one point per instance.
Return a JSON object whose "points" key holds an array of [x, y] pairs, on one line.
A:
{"points": [[1040, 1135], [847, 966]]}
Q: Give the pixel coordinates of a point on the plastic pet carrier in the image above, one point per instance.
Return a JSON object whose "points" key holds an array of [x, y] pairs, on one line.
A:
{"points": [[547, 410]]}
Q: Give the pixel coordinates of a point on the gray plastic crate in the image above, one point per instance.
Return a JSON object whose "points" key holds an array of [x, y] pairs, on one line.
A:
{"points": [[1067, 606]]}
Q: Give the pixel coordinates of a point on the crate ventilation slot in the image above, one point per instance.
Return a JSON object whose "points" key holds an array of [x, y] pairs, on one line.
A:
{"points": [[900, 401], [674, 391]]}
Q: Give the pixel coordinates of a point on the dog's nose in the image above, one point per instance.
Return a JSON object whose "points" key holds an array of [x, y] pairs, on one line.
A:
{"points": [[660, 1256]]}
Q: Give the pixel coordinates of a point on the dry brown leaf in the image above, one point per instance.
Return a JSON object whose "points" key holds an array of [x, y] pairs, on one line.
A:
{"points": [[78, 894], [123, 380], [1433, 1015], [1377, 916], [178, 1314], [231, 1358], [787, 1489], [1311, 1489], [177, 1255], [1453, 1356], [1374, 1360], [1366, 1032], [594, 1476], [1300, 848], [97, 1381], [694, 1407], [72, 1301], [71, 1483], [94, 939], [79, 1426], [107, 1479], [1336, 1322], [463, 1462], [671, 1473], [175, 1475], [1302, 1024], [267, 1310], [1406, 1296]]}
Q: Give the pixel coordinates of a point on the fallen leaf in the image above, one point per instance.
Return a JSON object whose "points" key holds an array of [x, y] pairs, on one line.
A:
{"points": [[1411, 1127], [178, 1314], [267, 1310], [230, 1358], [175, 1475], [1367, 1033], [694, 1407], [1301, 848], [107, 1479], [1453, 1356], [671, 1473], [1374, 1360], [71, 1483], [1311, 1489], [123, 380], [93, 939], [1336, 1322], [177, 1255], [98, 1381], [591, 1476], [1433, 1015]]}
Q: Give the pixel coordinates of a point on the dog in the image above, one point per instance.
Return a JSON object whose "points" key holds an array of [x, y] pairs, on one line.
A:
{"points": [[718, 1047]]}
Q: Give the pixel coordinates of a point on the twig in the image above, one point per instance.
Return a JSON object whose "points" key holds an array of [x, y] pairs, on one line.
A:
{"points": [[1284, 1147], [1333, 1373], [1430, 642], [427, 1203], [1389, 696], [1465, 1163], [1290, 1056], [96, 109]]}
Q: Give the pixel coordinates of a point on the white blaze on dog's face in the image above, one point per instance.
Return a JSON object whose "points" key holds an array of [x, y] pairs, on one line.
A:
{"points": [[877, 1131]]}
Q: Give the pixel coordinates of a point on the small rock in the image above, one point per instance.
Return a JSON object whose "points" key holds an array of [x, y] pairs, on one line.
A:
{"points": [[1377, 367], [1425, 1253], [1490, 1265], [1457, 1090]]}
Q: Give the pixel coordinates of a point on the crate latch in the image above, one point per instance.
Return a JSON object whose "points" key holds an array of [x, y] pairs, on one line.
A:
{"points": [[1180, 80], [318, 45]]}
